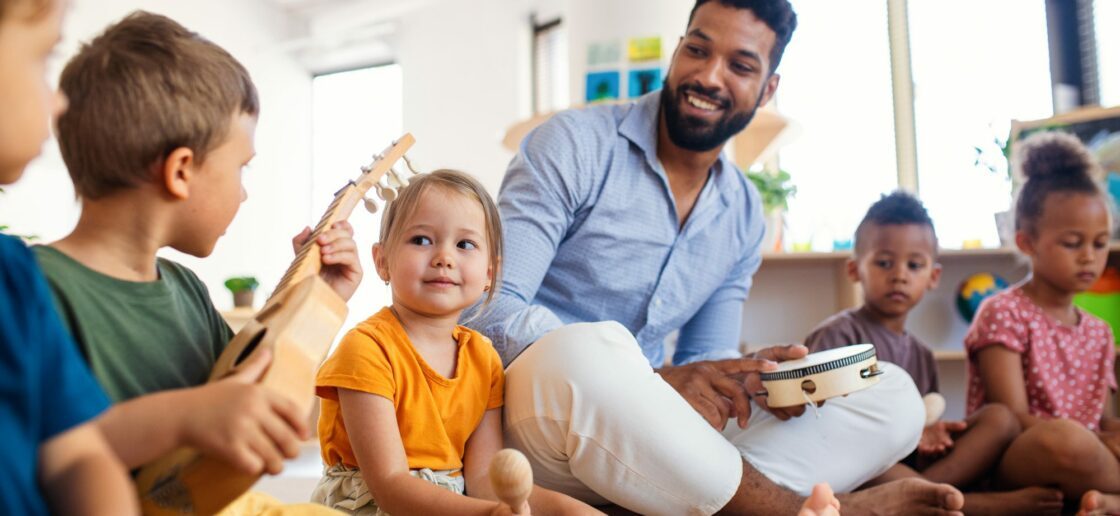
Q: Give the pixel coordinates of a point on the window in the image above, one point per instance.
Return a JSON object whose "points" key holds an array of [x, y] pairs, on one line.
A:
{"points": [[1108, 50], [355, 115], [967, 89], [836, 85], [550, 67]]}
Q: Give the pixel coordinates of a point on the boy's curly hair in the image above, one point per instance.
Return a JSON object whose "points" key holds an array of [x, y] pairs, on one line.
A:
{"points": [[897, 208]]}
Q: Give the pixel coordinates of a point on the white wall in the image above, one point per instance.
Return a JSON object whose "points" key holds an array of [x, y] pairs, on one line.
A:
{"points": [[466, 80], [593, 21], [258, 241]]}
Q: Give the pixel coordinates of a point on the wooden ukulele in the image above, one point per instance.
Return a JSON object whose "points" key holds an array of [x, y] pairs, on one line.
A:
{"points": [[298, 323]]}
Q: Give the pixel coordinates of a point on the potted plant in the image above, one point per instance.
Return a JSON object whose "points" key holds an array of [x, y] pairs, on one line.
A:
{"points": [[242, 288], [775, 189]]}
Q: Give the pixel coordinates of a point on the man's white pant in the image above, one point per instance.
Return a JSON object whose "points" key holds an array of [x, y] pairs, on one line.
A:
{"points": [[598, 423]]}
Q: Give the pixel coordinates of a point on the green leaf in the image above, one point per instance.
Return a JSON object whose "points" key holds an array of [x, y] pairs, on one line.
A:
{"points": [[774, 189], [241, 283]]}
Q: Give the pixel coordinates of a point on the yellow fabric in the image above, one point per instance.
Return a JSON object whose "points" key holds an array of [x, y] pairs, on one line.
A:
{"points": [[260, 504], [436, 415]]}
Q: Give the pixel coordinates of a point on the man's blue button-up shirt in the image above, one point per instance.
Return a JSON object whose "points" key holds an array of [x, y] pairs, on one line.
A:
{"points": [[592, 234]]}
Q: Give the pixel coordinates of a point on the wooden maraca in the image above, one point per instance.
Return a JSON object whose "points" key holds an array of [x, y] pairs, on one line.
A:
{"points": [[512, 479], [935, 407]]}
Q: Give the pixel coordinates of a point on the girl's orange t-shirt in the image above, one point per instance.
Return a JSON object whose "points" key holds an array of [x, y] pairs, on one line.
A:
{"points": [[436, 415]]}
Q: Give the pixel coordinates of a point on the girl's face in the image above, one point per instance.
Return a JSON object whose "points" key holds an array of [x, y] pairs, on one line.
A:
{"points": [[1070, 247], [440, 262]]}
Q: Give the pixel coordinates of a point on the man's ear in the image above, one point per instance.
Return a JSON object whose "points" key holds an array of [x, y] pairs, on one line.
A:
{"points": [[769, 89], [176, 173], [853, 269]]}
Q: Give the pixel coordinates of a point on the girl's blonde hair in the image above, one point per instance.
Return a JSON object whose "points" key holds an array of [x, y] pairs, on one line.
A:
{"points": [[408, 198]]}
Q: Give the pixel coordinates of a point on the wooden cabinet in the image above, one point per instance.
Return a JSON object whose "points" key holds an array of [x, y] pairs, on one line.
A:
{"points": [[793, 292]]}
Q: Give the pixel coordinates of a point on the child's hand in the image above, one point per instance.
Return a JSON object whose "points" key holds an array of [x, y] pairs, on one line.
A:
{"points": [[937, 438], [242, 423], [339, 254]]}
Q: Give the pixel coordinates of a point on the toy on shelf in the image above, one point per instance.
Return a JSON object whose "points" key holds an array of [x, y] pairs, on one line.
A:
{"points": [[1103, 299], [975, 289]]}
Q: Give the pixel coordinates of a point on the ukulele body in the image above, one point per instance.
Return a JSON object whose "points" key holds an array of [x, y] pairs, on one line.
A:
{"points": [[298, 326]]}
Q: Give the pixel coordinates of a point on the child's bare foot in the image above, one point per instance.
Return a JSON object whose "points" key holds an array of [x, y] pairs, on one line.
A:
{"points": [[907, 496], [1028, 500], [821, 502], [1095, 502]]}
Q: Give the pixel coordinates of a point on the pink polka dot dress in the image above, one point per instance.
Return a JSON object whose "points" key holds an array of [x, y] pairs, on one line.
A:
{"points": [[1067, 370]]}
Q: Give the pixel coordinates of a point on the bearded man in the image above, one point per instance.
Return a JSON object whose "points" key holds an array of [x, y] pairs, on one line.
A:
{"points": [[624, 223]]}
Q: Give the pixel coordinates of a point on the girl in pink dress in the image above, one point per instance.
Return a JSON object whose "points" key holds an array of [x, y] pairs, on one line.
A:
{"points": [[1032, 350]]}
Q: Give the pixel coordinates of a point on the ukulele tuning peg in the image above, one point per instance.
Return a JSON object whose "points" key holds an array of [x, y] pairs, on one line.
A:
{"points": [[366, 169], [394, 180], [370, 205], [408, 163], [385, 193]]}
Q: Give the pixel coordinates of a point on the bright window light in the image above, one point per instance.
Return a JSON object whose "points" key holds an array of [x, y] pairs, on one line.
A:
{"points": [[976, 66], [1108, 50], [356, 114], [836, 84]]}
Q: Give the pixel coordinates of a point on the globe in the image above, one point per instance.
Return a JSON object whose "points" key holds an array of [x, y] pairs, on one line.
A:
{"points": [[975, 289]]}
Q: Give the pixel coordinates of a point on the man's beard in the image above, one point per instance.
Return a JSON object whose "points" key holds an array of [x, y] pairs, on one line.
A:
{"points": [[695, 134]]}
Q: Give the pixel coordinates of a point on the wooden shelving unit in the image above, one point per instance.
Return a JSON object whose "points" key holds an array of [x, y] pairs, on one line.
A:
{"points": [[793, 292]]}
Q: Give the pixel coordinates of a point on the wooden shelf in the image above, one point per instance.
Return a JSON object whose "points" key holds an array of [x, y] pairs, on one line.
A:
{"points": [[949, 355], [945, 253], [237, 317]]}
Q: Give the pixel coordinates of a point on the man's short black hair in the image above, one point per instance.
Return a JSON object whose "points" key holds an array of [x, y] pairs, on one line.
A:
{"points": [[776, 14], [898, 208]]}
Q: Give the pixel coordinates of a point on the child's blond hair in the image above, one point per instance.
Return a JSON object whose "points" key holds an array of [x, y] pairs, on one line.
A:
{"points": [[402, 208]]}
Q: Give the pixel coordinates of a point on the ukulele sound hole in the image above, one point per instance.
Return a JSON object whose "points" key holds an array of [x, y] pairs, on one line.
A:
{"points": [[808, 386], [250, 347]]}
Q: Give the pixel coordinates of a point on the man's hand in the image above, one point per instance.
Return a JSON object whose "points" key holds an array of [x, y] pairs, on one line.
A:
{"points": [[244, 424], [339, 255], [937, 438], [754, 383], [713, 389]]}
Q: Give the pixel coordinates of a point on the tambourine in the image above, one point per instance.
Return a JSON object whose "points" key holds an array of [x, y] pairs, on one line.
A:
{"points": [[822, 375]]}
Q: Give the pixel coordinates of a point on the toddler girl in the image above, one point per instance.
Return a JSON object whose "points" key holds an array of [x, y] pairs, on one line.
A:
{"points": [[411, 401]]}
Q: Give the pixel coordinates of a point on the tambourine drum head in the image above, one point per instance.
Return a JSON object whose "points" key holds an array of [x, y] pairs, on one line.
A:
{"points": [[822, 375]]}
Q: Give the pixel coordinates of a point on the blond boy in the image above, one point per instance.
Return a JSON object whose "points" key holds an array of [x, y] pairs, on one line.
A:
{"points": [[161, 126]]}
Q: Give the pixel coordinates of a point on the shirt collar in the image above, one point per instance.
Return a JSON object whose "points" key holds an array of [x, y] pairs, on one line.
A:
{"points": [[640, 126]]}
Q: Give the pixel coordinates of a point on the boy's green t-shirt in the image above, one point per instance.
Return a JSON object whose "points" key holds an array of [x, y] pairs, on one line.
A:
{"points": [[138, 337]]}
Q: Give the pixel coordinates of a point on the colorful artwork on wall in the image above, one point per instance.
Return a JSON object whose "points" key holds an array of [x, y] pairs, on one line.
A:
{"points": [[604, 53], [644, 81], [645, 49], [602, 86]]}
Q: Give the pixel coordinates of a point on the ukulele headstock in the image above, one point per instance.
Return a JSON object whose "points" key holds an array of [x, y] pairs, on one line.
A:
{"points": [[380, 176]]}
